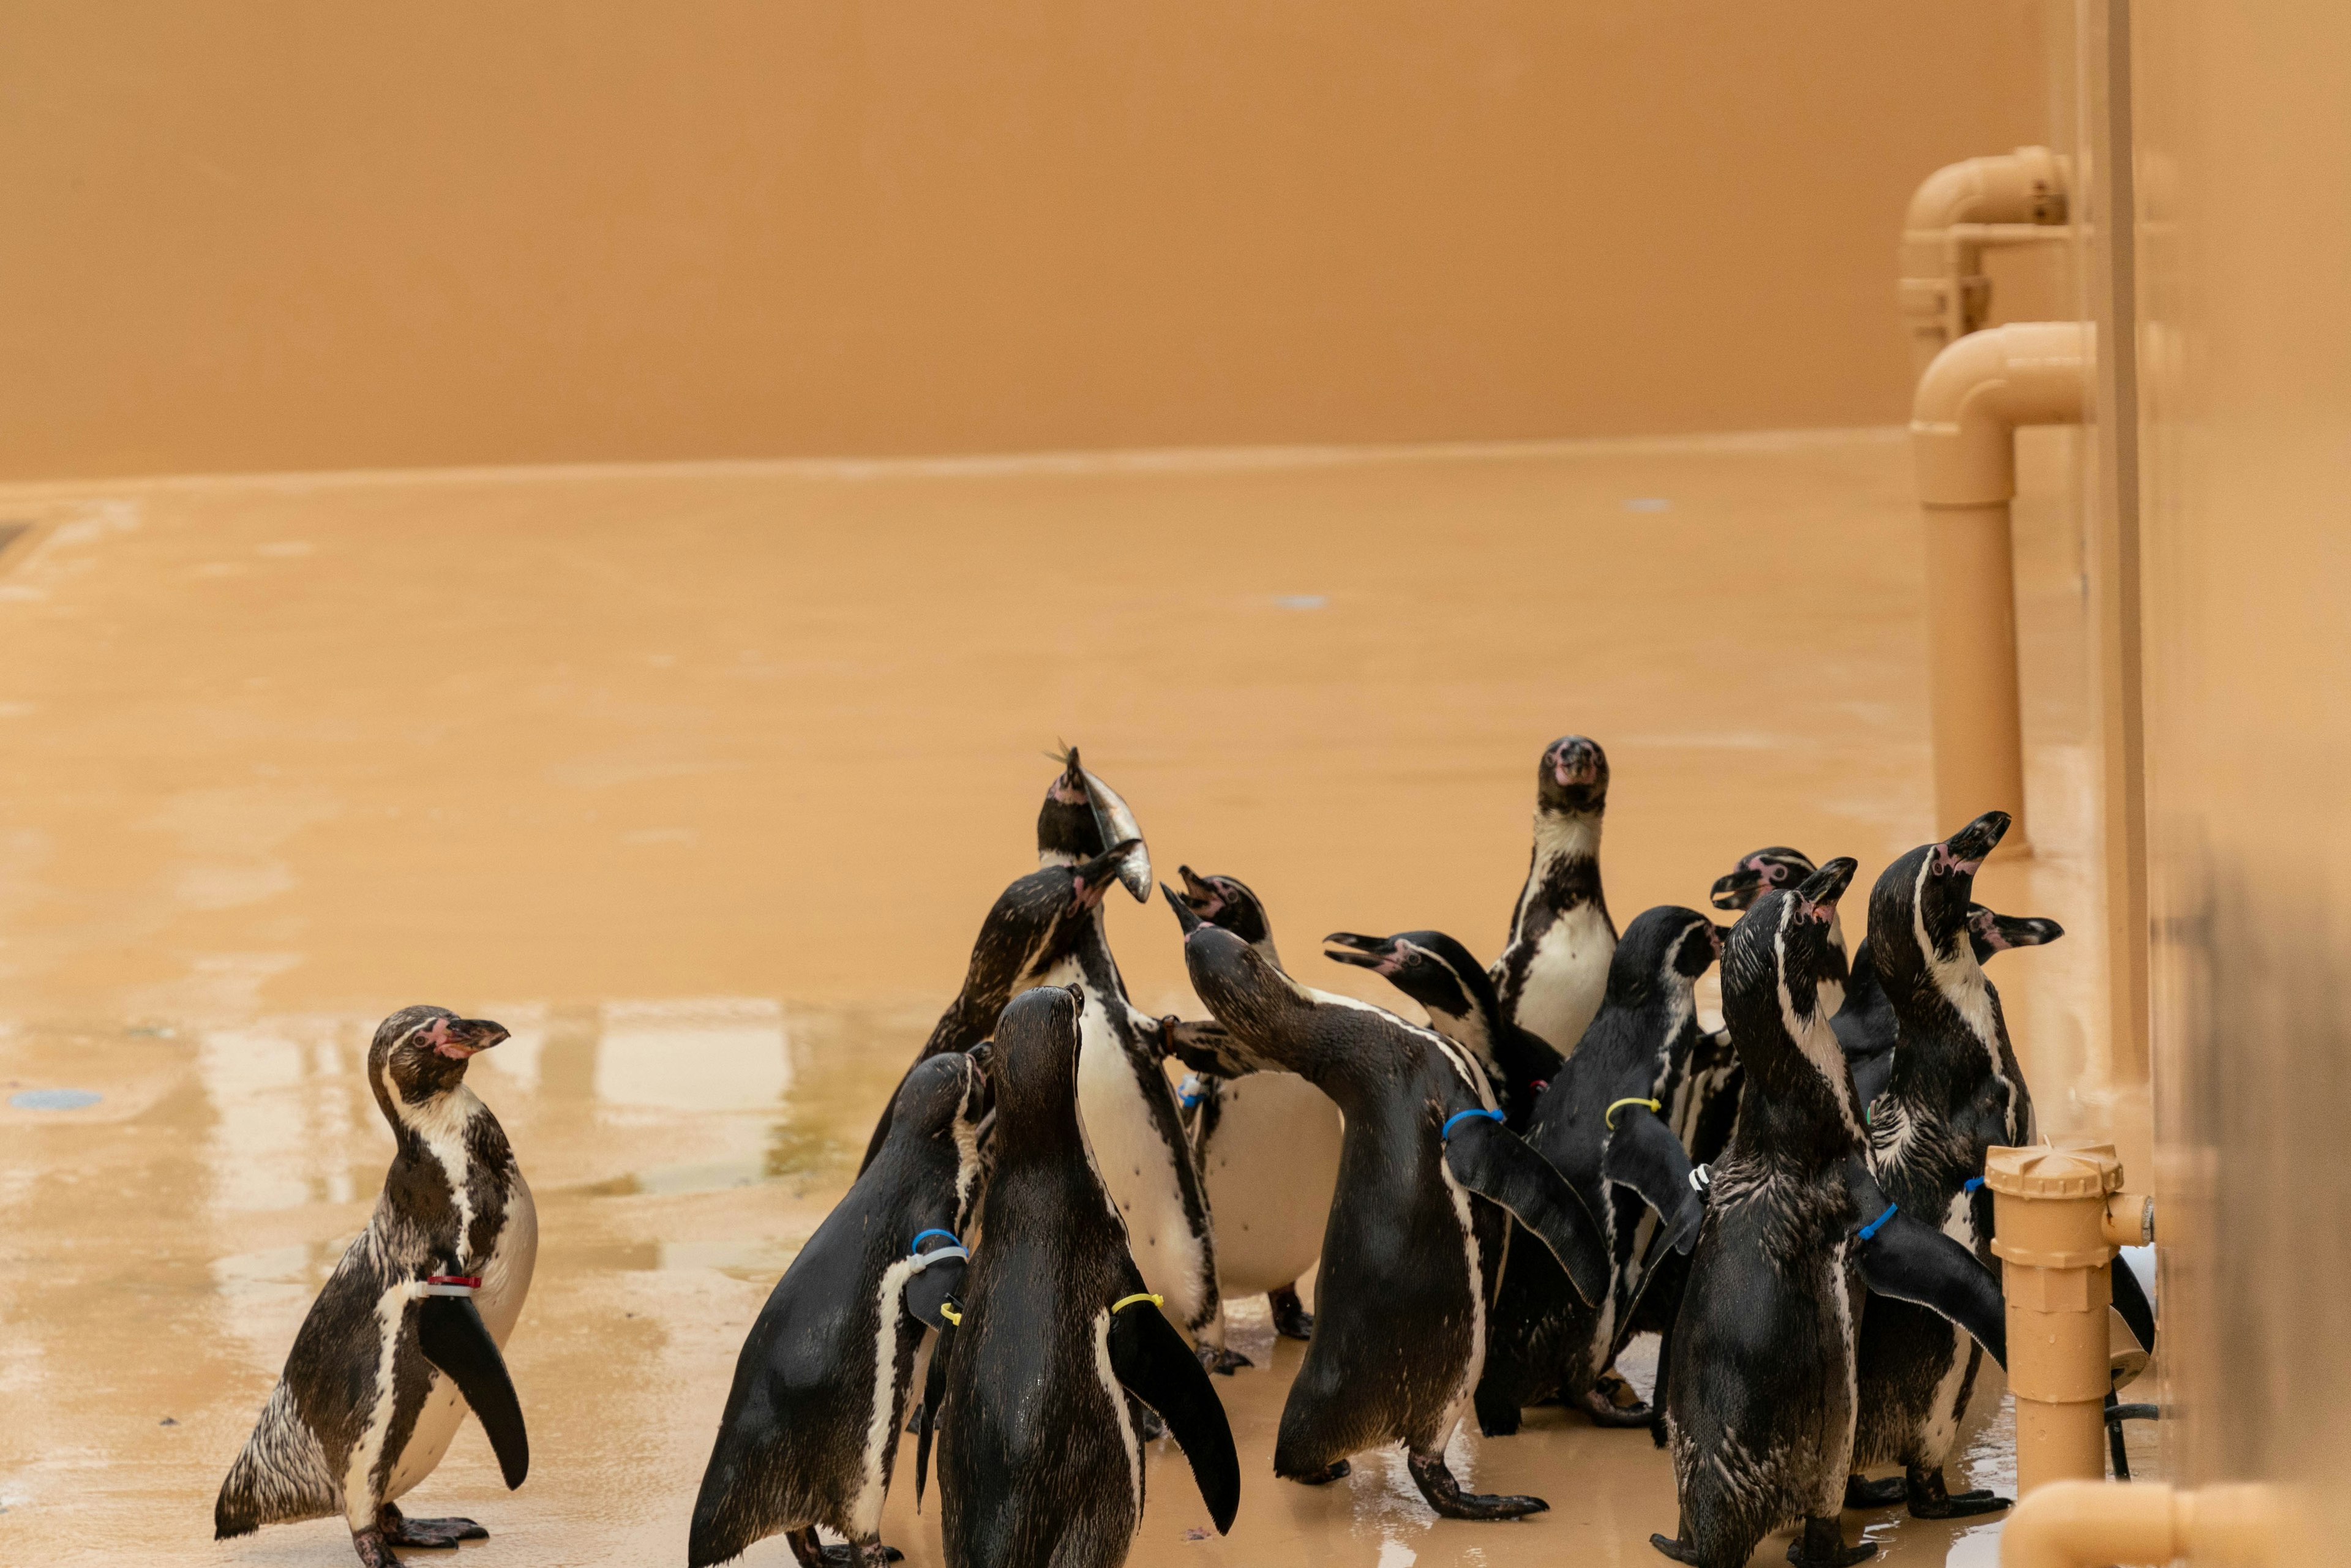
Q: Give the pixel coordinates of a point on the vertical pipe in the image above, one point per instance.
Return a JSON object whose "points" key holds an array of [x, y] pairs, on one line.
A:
{"points": [[1977, 713], [2049, 1223]]}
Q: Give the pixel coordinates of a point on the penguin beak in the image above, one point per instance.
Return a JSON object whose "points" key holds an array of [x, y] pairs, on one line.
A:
{"points": [[458, 1039], [1186, 916], [1119, 826], [1738, 890], [2001, 932], [1376, 953], [1094, 877], [1819, 891], [1963, 852], [1575, 760], [1200, 894]]}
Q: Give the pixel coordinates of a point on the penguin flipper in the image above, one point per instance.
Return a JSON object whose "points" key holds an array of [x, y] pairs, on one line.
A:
{"points": [[1906, 1259], [934, 1388], [1151, 1359], [2130, 1300], [1496, 1164], [449, 1332], [931, 1291], [1644, 1154]]}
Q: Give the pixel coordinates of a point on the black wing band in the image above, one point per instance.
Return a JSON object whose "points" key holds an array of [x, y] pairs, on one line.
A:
{"points": [[1158, 1367], [450, 1330]]}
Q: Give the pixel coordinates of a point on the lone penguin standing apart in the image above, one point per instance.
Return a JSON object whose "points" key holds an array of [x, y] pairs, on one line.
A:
{"points": [[1428, 1177], [1125, 1102], [810, 1427], [1039, 1462], [406, 1335], [1760, 1408], [1554, 968]]}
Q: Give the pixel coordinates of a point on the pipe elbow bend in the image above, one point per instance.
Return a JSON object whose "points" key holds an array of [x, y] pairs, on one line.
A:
{"points": [[1979, 390], [2084, 1524], [2026, 186]]}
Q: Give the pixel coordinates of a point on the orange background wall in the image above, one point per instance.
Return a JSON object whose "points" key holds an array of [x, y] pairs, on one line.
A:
{"points": [[281, 234]]}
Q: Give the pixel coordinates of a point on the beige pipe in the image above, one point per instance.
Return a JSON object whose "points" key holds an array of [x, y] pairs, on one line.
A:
{"points": [[1963, 435], [1956, 212], [2050, 1220], [2090, 1524]]}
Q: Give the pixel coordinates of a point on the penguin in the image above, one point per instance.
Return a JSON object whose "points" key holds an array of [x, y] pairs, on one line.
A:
{"points": [[809, 1431], [1955, 1091], [1760, 1415], [1552, 971], [1607, 1124], [1458, 994], [1427, 1178], [1267, 1143], [1034, 925], [1865, 1025], [1040, 1461], [1125, 1102], [406, 1335]]}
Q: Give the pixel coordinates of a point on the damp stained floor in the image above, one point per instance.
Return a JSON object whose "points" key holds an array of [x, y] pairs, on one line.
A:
{"points": [[701, 778]]}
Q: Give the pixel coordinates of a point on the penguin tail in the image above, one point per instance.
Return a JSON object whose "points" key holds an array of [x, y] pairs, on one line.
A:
{"points": [[234, 1515]]}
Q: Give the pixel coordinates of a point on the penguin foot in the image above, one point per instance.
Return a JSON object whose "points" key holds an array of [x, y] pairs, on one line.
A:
{"points": [[1600, 1403], [1679, 1551], [1337, 1469], [1821, 1545], [810, 1551], [1862, 1492], [398, 1529], [1290, 1318], [373, 1550], [1224, 1362], [1929, 1501], [1444, 1494]]}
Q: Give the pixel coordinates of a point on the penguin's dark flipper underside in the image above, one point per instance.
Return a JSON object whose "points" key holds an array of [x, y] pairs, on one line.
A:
{"points": [[1496, 1164], [450, 1330], [934, 1388], [1910, 1260], [1151, 1359], [1644, 1154], [2130, 1300]]}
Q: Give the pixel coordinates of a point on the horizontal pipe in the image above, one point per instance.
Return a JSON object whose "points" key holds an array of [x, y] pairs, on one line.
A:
{"points": [[1955, 211], [2092, 1524]]}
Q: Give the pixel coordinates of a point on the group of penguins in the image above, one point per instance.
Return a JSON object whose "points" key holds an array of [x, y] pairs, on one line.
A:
{"points": [[1046, 1224]]}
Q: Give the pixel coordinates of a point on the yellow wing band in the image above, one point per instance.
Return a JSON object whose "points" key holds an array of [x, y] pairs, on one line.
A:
{"points": [[1610, 1119], [947, 1312], [1123, 1303]]}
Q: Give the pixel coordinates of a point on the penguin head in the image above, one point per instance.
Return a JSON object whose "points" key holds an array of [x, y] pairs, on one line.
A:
{"points": [[1988, 932], [1033, 1066], [1429, 967], [1081, 818], [1227, 902], [1782, 948], [1663, 950], [941, 1097], [1930, 889], [1035, 923], [420, 1053], [1572, 778], [1758, 874]]}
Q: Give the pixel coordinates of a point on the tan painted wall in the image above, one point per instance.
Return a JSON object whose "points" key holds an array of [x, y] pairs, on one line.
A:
{"points": [[280, 234], [2244, 151]]}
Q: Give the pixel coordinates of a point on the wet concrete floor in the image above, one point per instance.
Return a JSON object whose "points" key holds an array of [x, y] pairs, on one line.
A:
{"points": [[701, 778]]}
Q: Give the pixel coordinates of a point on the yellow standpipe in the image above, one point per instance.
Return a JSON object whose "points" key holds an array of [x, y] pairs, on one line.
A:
{"points": [[2058, 1214], [1963, 435]]}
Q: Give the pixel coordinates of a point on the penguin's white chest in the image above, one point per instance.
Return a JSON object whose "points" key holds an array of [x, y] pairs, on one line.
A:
{"points": [[1271, 1167], [505, 1281], [1136, 1165], [1567, 978]]}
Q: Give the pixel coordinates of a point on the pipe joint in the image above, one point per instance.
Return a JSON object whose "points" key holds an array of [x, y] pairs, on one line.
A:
{"points": [[2088, 1524], [1969, 402], [2129, 1220], [2026, 186]]}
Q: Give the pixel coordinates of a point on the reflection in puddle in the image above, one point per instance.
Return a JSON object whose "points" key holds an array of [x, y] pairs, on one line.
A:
{"points": [[717, 1055], [283, 1114]]}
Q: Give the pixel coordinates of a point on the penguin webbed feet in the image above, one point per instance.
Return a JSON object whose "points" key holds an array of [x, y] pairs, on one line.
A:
{"points": [[1444, 1493], [1928, 1499], [374, 1551], [1610, 1402], [398, 1529], [1821, 1544], [1679, 1550], [1290, 1318], [810, 1551], [1860, 1493], [1220, 1360]]}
